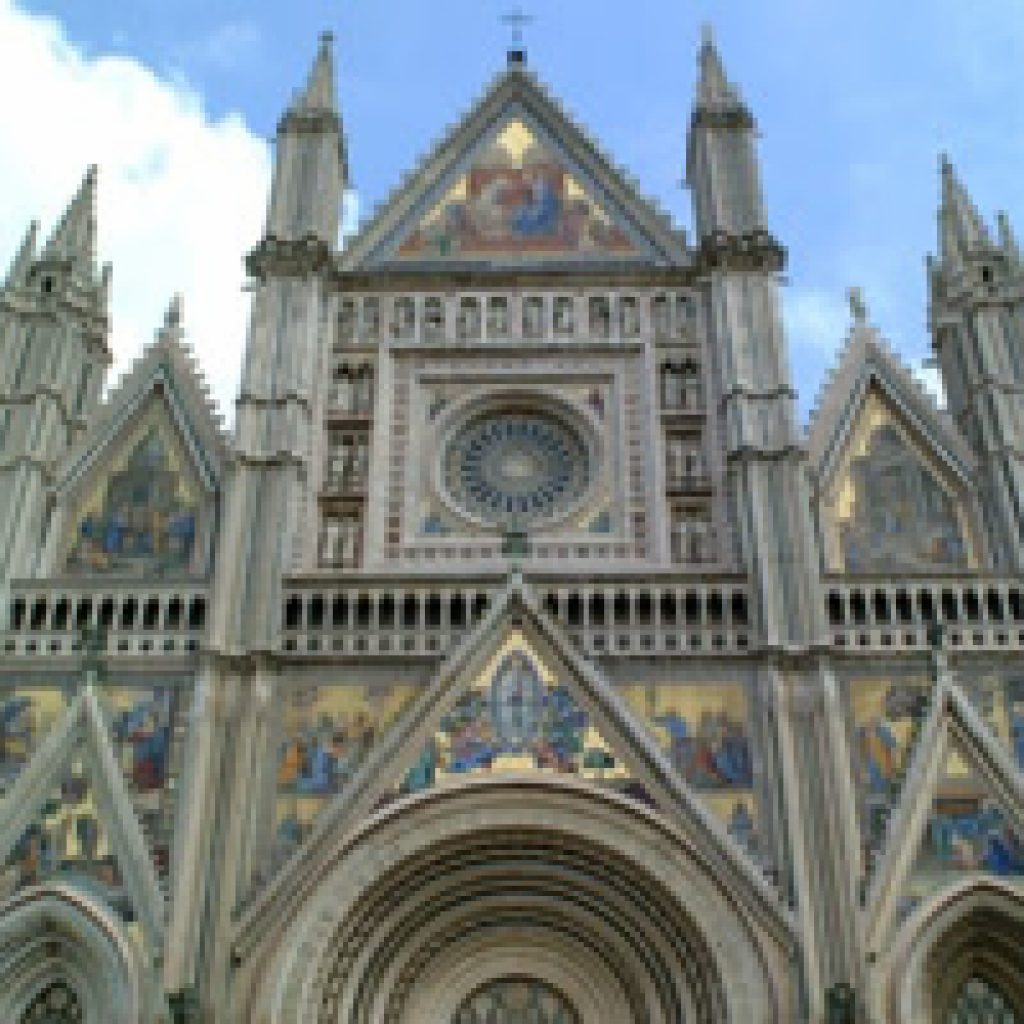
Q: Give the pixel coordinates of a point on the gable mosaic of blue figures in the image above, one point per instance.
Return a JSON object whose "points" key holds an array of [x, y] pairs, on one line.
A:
{"points": [[144, 525], [514, 720], [902, 518]]}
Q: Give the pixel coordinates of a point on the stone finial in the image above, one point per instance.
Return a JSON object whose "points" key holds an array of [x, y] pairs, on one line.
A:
{"points": [[858, 306], [174, 314]]}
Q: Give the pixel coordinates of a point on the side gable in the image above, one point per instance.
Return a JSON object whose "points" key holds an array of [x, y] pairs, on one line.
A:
{"points": [[867, 363], [893, 479], [158, 425], [953, 726], [547, 193]]}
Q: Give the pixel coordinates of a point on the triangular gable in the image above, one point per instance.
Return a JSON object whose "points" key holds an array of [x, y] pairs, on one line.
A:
{"points": [[393, 759], [167, 371], [82, 734], [867, 366], [515, 181], [158, 433], [954, 739], [518, 716], [893, 477]]}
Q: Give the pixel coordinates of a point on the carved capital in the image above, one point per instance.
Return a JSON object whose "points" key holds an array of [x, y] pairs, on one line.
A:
{"points": [[281, 257], [753, 250]]}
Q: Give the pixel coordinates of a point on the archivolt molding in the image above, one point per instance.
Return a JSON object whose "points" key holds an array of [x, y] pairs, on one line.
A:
{"points": [[83, 726], [392, 757], [974, 927], [603, 878], [56, 932], [952, 723]]}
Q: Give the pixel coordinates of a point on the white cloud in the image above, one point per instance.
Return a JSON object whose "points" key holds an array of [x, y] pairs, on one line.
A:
{"points": [[929, 375], [181, 195], [815, 319]]}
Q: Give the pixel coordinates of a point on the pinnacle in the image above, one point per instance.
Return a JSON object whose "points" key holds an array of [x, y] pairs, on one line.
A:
{"points": [[960, 224], [713, 87], [319, 92], [74, 238], [24, 258], [173, 316]]}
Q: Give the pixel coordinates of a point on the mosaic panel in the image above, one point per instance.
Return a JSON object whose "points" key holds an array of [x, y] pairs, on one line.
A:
{"points": [[518, 718], [704, 729], [516, 201], [516, 1001], [889, 510], [968, 832], [887, 719], [326, 732], [68, 840], [999, 699], [141, 519], [26, 716], [147, 727]]}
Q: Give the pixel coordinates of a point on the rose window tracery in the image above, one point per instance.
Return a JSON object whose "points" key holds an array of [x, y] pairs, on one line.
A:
{"points": [[515, 469]]}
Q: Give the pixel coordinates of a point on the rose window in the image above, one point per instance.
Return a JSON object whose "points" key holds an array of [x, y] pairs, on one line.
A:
{"points": [[516, 469]]}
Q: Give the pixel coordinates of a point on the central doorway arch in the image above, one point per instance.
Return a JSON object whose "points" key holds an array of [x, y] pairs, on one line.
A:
{"points": [[585, 893]]}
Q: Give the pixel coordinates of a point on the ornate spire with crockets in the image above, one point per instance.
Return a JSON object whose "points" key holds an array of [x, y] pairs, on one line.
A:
{"points": [[74, 239], [318, 95], [23, 259], [961, 228], [714, 90]]}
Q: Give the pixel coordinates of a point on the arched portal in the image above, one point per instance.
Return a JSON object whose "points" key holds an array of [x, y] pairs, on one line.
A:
{"points": [[64, 959], [960, 954], [560, 892]]}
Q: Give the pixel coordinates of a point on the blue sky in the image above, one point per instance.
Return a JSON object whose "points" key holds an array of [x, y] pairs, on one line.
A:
{"points": [[854, 102]]}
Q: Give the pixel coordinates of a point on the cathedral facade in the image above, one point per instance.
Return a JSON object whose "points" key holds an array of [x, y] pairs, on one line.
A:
{"points": [[519, 657]]}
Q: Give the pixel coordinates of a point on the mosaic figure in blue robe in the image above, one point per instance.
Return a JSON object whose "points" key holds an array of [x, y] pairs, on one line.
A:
{"points": [[143, 526]]}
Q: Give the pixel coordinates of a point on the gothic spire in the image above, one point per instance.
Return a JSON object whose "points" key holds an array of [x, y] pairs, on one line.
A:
{"points": [[74, 239], [961, 228], [1008, 240], [319, 94], [23, 259], [714, 90]]}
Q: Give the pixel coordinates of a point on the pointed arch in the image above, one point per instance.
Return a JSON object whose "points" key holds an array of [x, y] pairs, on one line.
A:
{"points": [[952, 725], [584, 887], [391, 759], [974, 930], [83, 728], [56, 935]]}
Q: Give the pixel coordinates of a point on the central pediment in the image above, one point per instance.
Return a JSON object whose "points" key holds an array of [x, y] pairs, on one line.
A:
{"points": [[516, 183]]}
